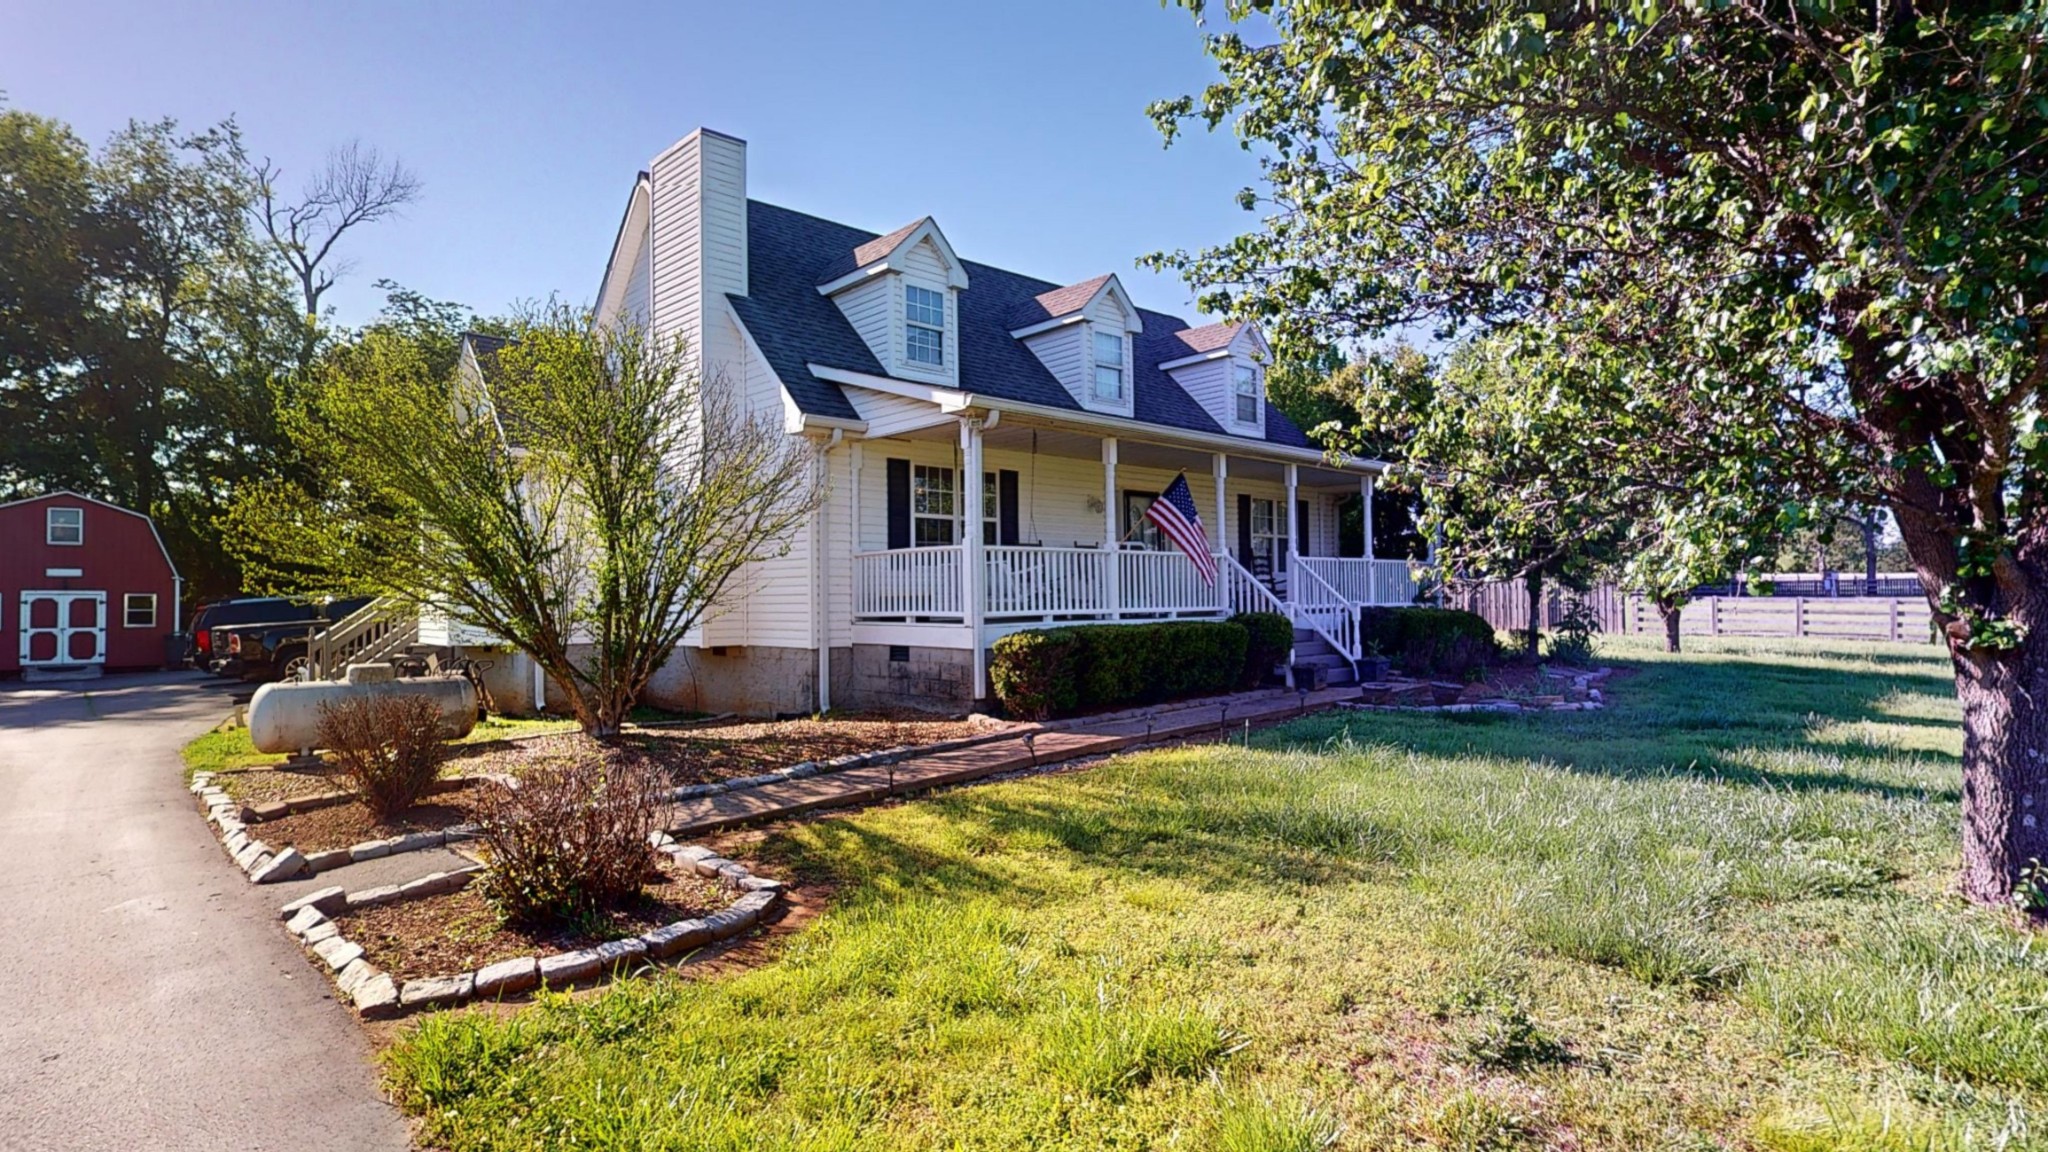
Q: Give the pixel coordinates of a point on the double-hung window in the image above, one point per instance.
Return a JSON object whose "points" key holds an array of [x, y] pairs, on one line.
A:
{"points": [[1246, 387], [138, 610], [931, 506], [1109, 367], [924, 326], [64, 526], [991, 512]]}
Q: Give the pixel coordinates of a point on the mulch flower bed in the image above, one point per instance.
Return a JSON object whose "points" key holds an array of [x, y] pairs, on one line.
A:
{"points": [[346, 824], [709, 754], [460, 931]]}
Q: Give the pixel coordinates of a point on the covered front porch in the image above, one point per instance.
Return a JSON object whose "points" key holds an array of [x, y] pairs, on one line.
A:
{"points": [[1056, 534]]}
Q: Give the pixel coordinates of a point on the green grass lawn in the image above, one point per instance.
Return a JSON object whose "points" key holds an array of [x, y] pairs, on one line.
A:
{"points": [[228, 750], [1717, 915]]}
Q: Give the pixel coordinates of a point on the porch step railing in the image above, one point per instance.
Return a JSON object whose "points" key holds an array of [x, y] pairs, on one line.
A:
{"points": [[1320, 607], [1244, 592], [371, 634]]}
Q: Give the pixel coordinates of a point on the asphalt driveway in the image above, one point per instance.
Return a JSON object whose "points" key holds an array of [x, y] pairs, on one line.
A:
{"points": [[148, 998]]}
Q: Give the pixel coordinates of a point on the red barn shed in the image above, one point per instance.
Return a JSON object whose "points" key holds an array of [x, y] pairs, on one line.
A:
{"points": [[84, 585]]}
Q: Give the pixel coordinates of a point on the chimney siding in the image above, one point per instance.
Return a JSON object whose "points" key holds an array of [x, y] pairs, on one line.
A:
{"points": [[699, 225]]}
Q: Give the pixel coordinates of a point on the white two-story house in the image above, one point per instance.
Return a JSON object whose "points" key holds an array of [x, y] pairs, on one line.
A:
{"points": [[990, 443]]}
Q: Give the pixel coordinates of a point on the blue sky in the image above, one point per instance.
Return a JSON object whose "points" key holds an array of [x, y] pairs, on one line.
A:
{"points": [[1020, 127]]}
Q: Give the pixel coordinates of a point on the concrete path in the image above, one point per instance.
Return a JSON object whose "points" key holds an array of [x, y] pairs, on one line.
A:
{"points": [[1056, 744], [147, 997]]}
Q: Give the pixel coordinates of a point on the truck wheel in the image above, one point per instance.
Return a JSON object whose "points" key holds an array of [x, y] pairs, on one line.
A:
{"points": [[293, 668]]}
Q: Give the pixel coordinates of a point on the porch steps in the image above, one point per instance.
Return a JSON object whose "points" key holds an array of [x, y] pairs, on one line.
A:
{"points": [[862, 786], [1312, 650]]}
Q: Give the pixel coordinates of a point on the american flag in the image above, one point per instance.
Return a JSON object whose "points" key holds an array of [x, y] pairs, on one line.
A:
{"points": [[1175, 514]]}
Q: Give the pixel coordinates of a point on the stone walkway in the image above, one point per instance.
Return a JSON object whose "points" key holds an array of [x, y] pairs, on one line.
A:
{"points": [[1047, 745]]}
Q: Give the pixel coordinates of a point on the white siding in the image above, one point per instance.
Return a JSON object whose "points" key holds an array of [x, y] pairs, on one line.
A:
{"points": [[870, 307], [1064, 352], [888, 414], [699, 223], [676, 270], [639, 285]]}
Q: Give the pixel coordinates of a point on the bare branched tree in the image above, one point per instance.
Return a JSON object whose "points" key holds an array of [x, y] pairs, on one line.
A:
{"points": [[356, 185]]}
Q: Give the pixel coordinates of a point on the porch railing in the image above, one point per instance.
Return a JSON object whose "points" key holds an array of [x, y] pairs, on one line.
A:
{"points": [[1051, 582], [1163, 582], [908, 583], [1360, 581]]}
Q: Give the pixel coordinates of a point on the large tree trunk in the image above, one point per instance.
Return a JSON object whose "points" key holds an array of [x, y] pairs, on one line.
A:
{"points": [[1669, 611], [1533, 582], [2005, 766]]}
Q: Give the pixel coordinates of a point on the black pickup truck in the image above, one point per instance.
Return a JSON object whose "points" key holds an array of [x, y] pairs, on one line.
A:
{"points": [[262, 638]]}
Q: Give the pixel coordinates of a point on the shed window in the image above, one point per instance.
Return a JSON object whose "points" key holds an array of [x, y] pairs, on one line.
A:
{"points": [[64, 526], [138, 610], [1247, 390], [1109, 367], [924, 334]]}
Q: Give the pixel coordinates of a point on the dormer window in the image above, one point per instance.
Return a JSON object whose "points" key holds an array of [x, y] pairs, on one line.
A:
{"points": [[1109, 367], [924, 332], [1246, 388]]}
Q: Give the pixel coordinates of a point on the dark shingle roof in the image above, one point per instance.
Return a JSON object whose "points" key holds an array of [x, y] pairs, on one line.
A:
{"points": [[486, 349], [790, 253], [1207, 338], [862, 255]]}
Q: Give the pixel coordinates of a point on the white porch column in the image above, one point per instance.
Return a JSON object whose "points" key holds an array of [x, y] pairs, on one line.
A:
{"points": [[1112, 567], [1365, 488], [972, 557], [1291, 524], [1219, 469]]}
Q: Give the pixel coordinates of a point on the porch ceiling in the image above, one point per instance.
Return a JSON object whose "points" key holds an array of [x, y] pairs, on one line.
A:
{"points": [[1017, 436]]}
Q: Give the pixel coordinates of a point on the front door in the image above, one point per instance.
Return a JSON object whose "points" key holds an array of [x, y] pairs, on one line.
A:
{"points": [[63, 628]]}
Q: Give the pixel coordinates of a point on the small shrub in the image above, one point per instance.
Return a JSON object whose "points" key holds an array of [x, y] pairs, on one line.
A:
{"points": [[1446, 642], [1573, 643], [1512, 1041], [1270, 636], [1033, 673], [568, 843], [388, 746]]}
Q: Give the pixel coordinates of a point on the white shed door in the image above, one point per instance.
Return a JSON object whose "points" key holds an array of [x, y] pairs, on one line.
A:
{"points": [[63, 628]]}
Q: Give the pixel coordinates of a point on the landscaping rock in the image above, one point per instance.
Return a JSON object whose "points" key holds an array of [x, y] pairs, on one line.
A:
{"points": [[437, 990], [415, 842], [761, 884], [286, 865], [329, 860], [507, 977], [731, 922], [305, 920], [669, 939], [460, 833], [432, 884], [755, 903], [349, 978], [236, 842], [733, 873], [371, 897], [327, 901], [568, 967], [338, 951], [268, 810], [370, 850], [321, 931], [256, 864], [615, 954], [693, 853], [708, 866], [377, 998]]}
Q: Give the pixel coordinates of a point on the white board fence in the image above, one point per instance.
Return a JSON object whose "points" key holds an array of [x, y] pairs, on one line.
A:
{"points": [[1904, 619]]}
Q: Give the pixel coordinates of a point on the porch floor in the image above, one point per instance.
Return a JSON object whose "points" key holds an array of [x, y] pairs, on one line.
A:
{"points": [[1051, 744]]}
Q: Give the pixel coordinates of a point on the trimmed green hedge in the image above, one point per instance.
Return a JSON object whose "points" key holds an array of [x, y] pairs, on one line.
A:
{"points": [[1271, 637], [1429, 641], [1037, 674]]}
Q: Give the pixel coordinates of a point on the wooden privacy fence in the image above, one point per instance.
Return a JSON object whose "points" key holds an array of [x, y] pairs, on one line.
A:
{"points": [[1899, 618]]}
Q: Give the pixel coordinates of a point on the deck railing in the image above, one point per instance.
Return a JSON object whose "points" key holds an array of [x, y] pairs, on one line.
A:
{"points": [[1163, 582], [1048, 582], [1319, 606]]}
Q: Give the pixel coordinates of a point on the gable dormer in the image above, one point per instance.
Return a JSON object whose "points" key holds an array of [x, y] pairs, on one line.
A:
{"points": [[1224, 370], [901, 293], [1086, 336]]}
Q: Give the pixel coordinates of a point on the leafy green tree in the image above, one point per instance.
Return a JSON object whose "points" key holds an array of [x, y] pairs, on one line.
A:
{"points": [[588, 504], [1817, 231]]}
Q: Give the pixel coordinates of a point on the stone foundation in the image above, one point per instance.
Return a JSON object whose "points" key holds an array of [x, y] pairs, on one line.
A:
{"points": [[751, 680]]}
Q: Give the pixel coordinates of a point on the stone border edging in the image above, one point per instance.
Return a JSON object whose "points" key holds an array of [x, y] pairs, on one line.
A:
{"points": [[1581, 683], [266, 865], [377, 996]]}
